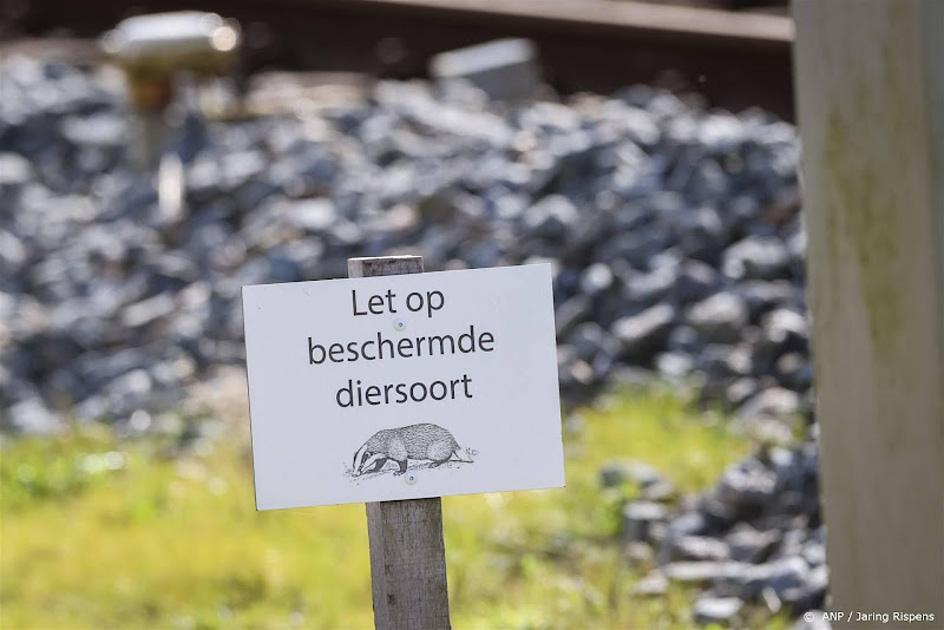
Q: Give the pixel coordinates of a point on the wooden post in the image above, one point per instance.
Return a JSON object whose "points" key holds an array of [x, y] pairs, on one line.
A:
{"points": [[407, 554], [870, 88]]}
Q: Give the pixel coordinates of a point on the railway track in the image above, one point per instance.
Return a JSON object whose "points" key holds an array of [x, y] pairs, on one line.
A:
{"points": [[735, 59]]}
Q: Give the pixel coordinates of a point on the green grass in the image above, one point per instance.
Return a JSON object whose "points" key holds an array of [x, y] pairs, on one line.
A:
{"points": [[102, 533]]}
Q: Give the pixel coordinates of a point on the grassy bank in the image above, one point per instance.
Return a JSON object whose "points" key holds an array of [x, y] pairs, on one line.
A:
{"points": [[99, 532]]}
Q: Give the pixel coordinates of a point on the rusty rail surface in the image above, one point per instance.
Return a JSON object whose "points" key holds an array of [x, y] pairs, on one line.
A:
{"points": [[735, 59]]}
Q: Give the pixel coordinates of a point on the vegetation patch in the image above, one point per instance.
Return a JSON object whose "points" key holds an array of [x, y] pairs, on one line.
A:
{"points": [[102, 532]]}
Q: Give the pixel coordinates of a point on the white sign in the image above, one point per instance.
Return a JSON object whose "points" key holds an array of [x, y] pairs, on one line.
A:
{"points": [[402, 387]]}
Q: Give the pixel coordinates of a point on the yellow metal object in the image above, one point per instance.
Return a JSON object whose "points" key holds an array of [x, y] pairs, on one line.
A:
{"points": [[153, 49]]}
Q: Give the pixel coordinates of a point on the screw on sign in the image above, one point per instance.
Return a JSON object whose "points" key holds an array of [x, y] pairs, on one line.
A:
{"points": [[394, 388]]}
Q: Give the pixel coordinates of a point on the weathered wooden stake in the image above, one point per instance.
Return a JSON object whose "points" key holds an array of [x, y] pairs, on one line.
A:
{"points": [[407, 554], [870, 88]]}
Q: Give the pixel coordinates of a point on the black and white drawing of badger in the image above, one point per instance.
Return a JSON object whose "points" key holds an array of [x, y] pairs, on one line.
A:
{"points": [[417, 441]]}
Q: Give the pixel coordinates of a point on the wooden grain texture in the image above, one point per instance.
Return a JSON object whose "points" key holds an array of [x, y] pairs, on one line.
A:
{"points": [[408, 565], [870, 86], [383, 266], [407, 554]]}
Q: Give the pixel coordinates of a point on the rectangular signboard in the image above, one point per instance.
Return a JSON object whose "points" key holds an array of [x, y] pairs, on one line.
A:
{"points": [[403, 387]]}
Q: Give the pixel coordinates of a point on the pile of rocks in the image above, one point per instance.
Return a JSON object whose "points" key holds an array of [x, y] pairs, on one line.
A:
{"points": [[757, 536], [675, 233]]}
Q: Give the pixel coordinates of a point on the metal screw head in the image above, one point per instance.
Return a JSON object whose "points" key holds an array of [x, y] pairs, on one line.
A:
{"points": [[399, 325], [410, 479]]}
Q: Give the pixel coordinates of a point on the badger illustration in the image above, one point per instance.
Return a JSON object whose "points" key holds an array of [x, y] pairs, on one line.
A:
{"points": [[417, 441]]}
